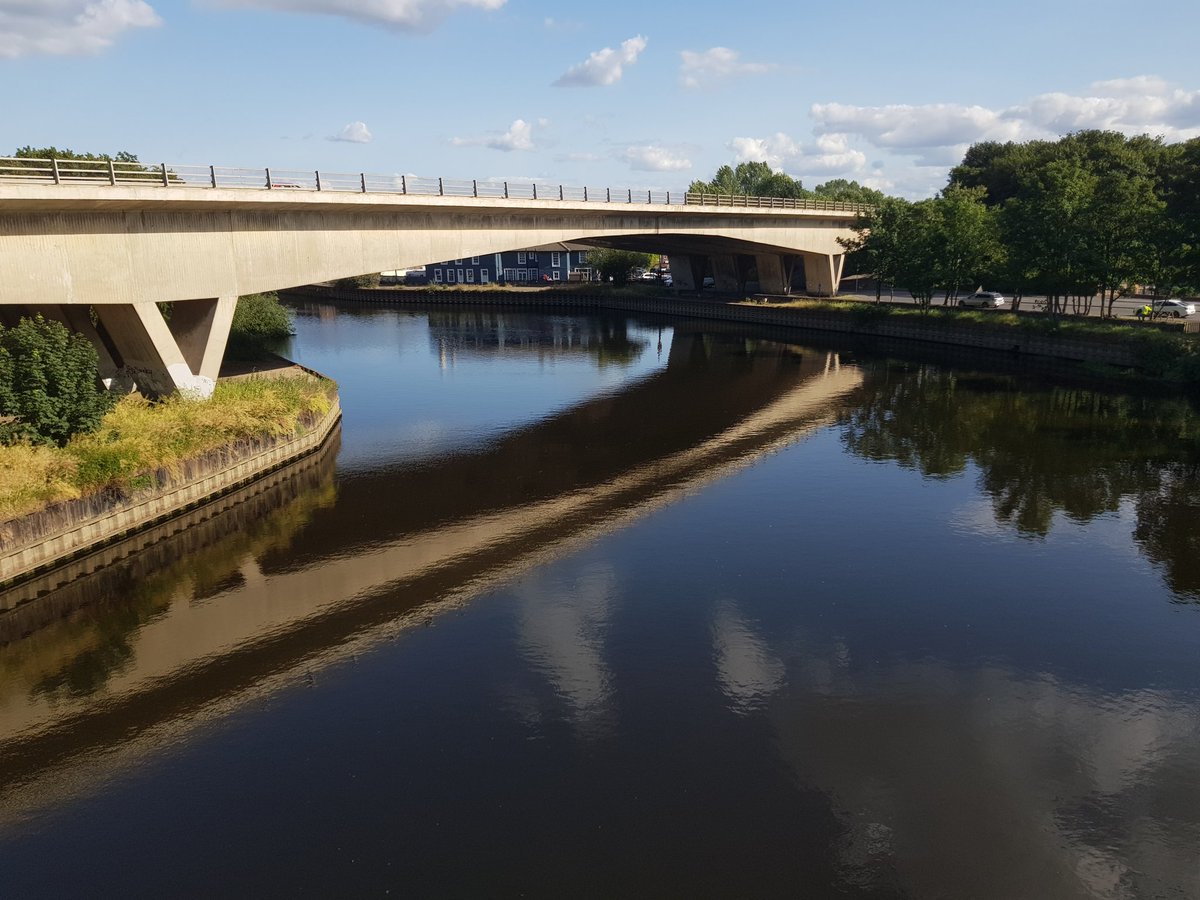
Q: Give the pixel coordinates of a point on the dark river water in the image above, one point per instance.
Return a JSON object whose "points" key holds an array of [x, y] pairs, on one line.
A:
{"points": [[598, 606]]}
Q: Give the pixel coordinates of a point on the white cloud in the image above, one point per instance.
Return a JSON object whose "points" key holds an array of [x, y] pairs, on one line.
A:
{"points": [[354, 133], [939, 132], [578, 157], [68, 27], [518, 137], [911, 127], [603, 67], [402, 15], [653, 158], [705, 69], [830, 155]]}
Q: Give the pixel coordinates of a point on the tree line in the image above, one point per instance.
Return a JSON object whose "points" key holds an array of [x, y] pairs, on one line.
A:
{"points": [[1081, 220]]}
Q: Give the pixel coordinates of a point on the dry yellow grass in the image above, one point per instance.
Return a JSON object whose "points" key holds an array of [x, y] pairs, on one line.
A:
{"points": [[138, 437], [32, 477]]}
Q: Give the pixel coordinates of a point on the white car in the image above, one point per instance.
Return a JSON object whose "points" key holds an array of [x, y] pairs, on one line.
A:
{"points": [[983, 300], [1173, 309]]}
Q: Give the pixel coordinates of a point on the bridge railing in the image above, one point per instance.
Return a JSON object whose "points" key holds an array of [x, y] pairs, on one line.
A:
{"points": [[75, 171]]}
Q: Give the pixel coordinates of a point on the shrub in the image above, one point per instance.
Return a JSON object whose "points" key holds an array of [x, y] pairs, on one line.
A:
{"points": [[49, 385], [259, 320], [370, 280]]}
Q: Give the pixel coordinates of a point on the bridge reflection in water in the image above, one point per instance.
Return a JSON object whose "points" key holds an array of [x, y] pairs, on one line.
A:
{"points": [[391, 547]]}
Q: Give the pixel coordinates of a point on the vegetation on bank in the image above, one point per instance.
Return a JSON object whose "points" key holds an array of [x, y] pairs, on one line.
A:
{"points": [[138, 438], [259, 321], [49, 389], [1164, 353], [1082, 219]]}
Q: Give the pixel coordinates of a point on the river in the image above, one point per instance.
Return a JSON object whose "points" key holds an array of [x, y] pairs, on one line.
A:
{"points": [[581, 605]]}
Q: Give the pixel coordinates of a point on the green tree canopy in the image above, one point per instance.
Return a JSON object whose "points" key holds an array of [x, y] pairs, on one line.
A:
{"points": [[751, 179], [49, 385], [617, 264], [840, 190]]}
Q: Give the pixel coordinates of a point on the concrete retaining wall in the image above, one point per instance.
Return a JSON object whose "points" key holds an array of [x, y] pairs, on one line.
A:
{"points": [[67, 529]]}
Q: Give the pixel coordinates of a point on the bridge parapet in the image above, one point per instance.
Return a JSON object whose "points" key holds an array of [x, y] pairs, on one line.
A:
{"points": [[166, 175]]}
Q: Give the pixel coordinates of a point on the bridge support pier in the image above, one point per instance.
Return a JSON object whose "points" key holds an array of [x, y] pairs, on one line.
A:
{"points": [[687, 271], [775, 272], [823, 273], [725, 272], [152, 356]]}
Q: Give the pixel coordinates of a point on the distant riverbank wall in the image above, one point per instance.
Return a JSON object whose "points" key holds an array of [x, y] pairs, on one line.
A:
{"points": [[67, 530], [1016, 341]]}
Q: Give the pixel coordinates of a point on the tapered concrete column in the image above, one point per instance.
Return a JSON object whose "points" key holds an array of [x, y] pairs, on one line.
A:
{"points": [[725, 272], [149, 352], [201, 328], [823, 273], [687, 271], [773, 276]]}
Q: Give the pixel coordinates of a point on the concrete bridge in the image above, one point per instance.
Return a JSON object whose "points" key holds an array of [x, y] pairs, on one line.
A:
{"points": [[121, 241]]}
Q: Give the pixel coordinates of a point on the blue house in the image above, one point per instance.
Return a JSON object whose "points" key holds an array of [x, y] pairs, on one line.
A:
{"points": [[542, 266]]}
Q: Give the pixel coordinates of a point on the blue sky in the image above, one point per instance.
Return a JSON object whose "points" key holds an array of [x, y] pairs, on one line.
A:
{"points": [[614, 94]]}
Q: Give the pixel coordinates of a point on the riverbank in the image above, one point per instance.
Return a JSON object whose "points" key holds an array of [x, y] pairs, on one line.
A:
{"points": [[1158, 352], [149, 462]]}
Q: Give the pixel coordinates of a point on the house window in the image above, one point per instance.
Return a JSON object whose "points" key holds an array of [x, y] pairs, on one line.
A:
{"points": [[533, 257], [458, 262], [557, 275], [474, 260], [470, 276], [450, 276], [437, 276], [583, 256], [520, 259], [556, 259], [483, 277]]}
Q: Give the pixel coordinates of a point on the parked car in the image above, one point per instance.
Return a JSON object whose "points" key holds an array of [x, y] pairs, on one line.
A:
{"points": [[983, 300], [708, 282], [1173, 309]]}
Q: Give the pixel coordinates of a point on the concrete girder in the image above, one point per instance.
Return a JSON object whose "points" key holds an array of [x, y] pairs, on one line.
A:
{"points": [[99, 245]]}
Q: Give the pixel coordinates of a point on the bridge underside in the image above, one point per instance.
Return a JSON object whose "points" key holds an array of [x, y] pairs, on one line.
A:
{"points": [[126, 251]]}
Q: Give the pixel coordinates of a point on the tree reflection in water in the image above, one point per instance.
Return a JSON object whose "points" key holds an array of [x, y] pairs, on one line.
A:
{"points": [[1044, 451]]}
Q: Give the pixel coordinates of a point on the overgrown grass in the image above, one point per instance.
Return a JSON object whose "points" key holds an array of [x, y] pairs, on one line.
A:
{"points": [[138, 438]]}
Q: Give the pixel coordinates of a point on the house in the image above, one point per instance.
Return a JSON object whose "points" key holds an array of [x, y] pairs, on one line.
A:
{"points": [[544, 265]]}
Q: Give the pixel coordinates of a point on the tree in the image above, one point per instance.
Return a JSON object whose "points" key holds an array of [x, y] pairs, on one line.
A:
{"points": [[751, 179], [840, 190], [81, 165], [259, 320], [876, 244], [969, 239], [615, 265], [49, 385]]}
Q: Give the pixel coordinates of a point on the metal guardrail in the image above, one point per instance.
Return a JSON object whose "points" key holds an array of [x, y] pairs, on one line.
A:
{"points": [[61, 171]]}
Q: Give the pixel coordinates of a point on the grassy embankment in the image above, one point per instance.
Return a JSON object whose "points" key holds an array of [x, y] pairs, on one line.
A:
{"points": [[1165, 354], [138, 438]]}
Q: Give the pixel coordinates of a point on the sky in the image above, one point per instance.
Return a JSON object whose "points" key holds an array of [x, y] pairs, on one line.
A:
{"points": [[618, 94]]}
